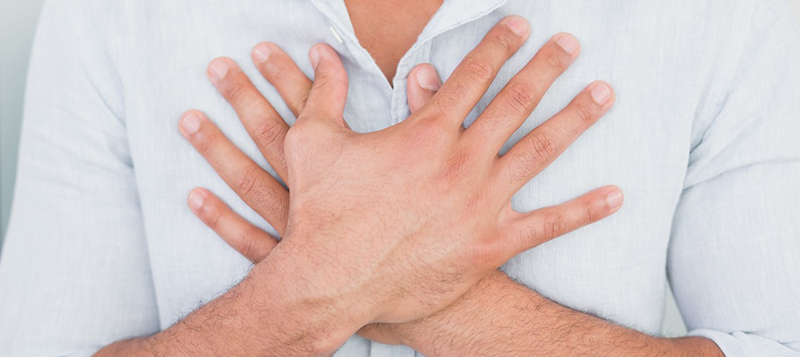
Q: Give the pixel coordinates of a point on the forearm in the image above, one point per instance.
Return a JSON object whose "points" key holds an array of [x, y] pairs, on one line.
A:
{"points": [[250, 319], [218, 328], [499, 317]]}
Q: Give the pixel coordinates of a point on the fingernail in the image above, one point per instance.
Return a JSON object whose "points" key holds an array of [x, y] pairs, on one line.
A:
{"points": [[614, 199], [601, 94], [567, 42], [427, 79], [218, 68], [191, 123], [195, 200], [261, 52], [313, 55], [519, 26]]}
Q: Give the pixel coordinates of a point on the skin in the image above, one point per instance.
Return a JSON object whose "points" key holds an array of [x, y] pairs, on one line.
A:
{"points": [[290, 304], [387, 29], [496, 316], [258, 317]]}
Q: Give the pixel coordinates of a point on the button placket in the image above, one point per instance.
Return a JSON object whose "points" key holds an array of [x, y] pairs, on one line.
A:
{"points": [[415, 56], [343, 33]]}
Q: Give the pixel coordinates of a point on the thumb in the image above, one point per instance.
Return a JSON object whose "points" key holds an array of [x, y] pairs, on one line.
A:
{"points": [[423, 82], [328, 95]]}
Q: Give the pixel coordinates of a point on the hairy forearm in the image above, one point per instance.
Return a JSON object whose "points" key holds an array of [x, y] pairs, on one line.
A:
{"points": [[214, 329], [499, 317], [250, 319]]}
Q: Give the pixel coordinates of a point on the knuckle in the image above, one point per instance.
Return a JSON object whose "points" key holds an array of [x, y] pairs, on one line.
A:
{"points": [[520, 98], [277, 74], [431, 122], [235, 90], [246, 246], [430, 132], [432, 115], [584, 113], [506, 40], [301, 97], [541, 148], [569, 131], [212, 216], [300, 128], [267, 203], [479, 69], [555, 60], [455, 169], [590, 213], [293, 140], [207, 142], [553, 225], [246, 181], [537, 150], [529, 233], [300, 131], [268, 134], [322, 80]]}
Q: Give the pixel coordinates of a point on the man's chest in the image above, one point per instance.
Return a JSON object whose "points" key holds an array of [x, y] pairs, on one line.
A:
{"points": [[605, 267], [641, 145]]}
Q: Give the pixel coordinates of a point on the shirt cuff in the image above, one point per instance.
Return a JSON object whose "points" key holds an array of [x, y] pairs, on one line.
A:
{"points": [[740, 344]]}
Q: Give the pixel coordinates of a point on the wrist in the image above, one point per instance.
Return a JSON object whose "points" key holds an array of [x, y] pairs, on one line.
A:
{"points": [[306, 312], [463, 321]]}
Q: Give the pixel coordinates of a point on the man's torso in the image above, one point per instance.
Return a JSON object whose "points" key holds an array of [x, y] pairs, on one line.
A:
{"points": [[656, 55]]}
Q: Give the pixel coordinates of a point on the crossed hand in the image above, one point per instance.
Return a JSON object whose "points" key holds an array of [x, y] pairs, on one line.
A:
{"points": [[394, 225]]}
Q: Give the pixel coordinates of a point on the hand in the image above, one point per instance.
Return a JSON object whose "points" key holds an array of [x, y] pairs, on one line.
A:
{"points": [[252, 242], [456, 153]]}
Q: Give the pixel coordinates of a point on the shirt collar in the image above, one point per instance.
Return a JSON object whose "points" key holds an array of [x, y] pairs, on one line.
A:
{"points": [[451, 14], [454, 13]]}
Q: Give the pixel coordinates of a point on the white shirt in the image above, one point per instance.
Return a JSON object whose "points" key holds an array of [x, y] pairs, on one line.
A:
{"points": [[703, 140]]}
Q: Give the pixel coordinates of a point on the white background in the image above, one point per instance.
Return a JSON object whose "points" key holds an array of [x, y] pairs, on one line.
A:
{"points": [[17, 25]]}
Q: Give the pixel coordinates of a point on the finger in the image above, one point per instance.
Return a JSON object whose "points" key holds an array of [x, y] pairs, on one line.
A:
{"points": [[517, 100], [262, 122], [475, 73], [534, 228], [329, 90], [255, 186], [247, 239], [543, 145], [281, 71], [423, 82], [381, 333]]}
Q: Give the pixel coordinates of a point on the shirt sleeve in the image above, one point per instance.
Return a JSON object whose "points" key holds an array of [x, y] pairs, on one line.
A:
{"points": [[734, 254], [74, 274]]}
